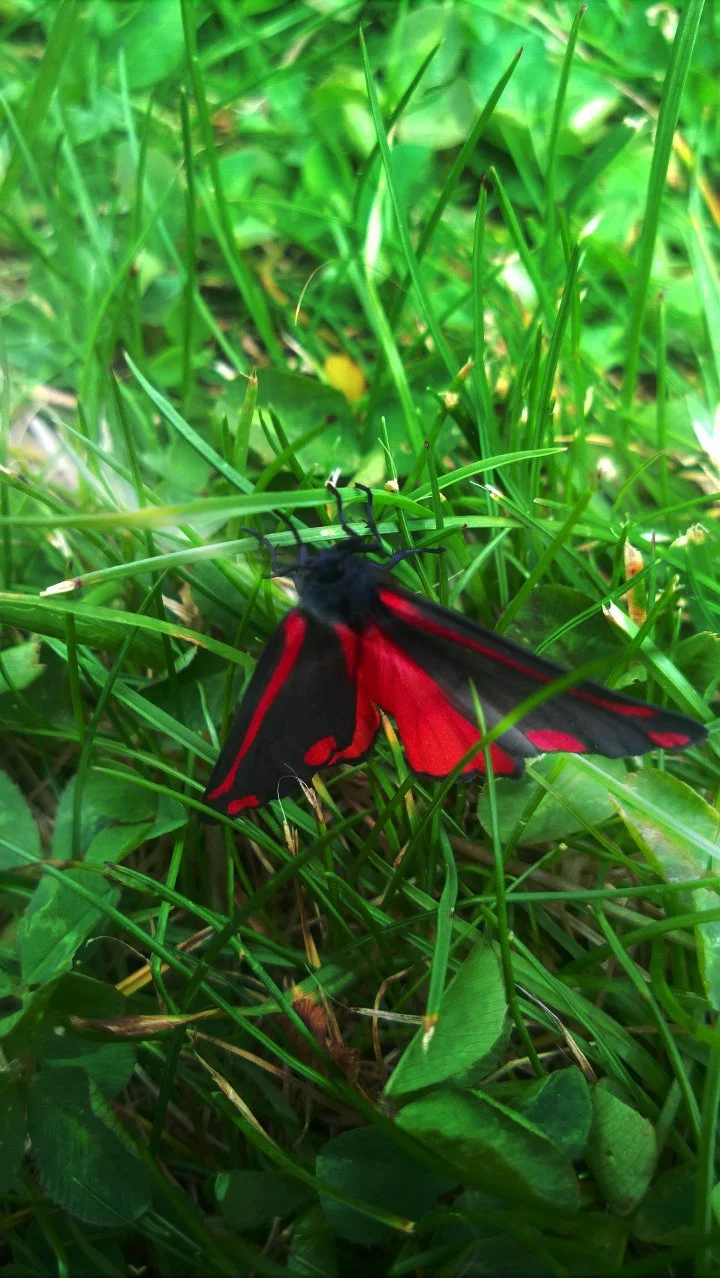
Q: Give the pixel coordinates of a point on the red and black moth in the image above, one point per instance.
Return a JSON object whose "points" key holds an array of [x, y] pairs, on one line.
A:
{"points": [[359, 642]]}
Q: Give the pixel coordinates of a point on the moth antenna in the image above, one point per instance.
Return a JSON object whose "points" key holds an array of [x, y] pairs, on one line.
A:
{"points": [[370, 517], [276, 568], [296, 535], [349, 532]]}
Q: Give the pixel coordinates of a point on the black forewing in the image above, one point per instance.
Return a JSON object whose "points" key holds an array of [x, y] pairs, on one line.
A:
{"points": [[588, 718], [299, 709]]}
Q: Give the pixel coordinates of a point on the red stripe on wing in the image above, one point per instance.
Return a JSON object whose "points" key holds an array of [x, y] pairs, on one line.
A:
{"points": [[407, 611], [434, 734], [293, 627]]}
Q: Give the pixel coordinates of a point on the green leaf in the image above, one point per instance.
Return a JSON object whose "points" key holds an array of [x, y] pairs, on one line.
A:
{"points": [[85, 1160], [698, 658], [471, 1229], [95, 627], [152, 42], [577, 800], [312, 1252], [251, 1198], [561, 1106], [622, 1150], [675, 862], [301, 402], [678, 862], [15, 1001], [16, 824], [20, 666], [666, 1213], [366, 1164], [12, 1130], [57, 920], [547, 609], [492, 1147], [104, 800], [470, 1028], [56, 1041]]}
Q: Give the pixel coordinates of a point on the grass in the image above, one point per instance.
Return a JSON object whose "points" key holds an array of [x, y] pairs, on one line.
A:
{"points": [[465, 254]]}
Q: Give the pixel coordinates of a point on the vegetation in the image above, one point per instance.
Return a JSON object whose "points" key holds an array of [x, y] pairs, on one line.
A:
{"points": [[465, 254]]}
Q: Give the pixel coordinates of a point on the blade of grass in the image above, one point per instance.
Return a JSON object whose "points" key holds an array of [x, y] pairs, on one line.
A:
{"points": [[501, 899], [443, 938], [401, 220], [33, 115], [670, 103], [551, 160], [243, 278]]}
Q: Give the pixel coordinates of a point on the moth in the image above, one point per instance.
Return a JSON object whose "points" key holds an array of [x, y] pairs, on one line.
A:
{"points": [[359, 642]]}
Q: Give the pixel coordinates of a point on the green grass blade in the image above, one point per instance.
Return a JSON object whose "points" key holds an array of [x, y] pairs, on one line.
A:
{"points": [[670, 104]]}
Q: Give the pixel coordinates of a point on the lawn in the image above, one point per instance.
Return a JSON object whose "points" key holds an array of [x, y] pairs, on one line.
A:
{"points": [[463, 253]]}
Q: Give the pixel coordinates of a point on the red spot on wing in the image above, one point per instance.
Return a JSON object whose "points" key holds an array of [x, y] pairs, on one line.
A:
{"points": [[294, 628], [669, 740], [320, 752], [237, 805], [551, 739], [434, 734]]}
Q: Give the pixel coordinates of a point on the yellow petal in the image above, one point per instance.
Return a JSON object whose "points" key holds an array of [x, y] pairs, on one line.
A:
{"points": [[344, 374]]}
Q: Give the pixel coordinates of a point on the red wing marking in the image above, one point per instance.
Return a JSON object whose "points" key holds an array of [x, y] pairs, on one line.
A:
{"points": [[294, 627], [552, 739], [367, 719], [237, 805], [407, 611], [669, 740], [636, 710], [319, 753], [434, 734]]}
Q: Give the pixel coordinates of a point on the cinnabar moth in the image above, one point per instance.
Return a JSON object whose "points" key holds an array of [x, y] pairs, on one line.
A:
{"points": [[358, 641]]}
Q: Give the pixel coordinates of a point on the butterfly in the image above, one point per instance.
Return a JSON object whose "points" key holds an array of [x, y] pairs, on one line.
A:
{"points": [[359, 642]]}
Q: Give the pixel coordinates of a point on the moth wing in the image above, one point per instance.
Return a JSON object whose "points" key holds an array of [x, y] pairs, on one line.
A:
{"points": [[302, 709], [420, 660]]}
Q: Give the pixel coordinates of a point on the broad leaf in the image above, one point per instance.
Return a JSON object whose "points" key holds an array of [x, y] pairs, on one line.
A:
{"points": [[561, 1106], [678, 862], [576, 800], [492, 1147], [622, 1150], [470, 1028], [16, 825], [12, 1130], [366, 1164], [249, 1199], [85, 1161], [20, 666]]}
